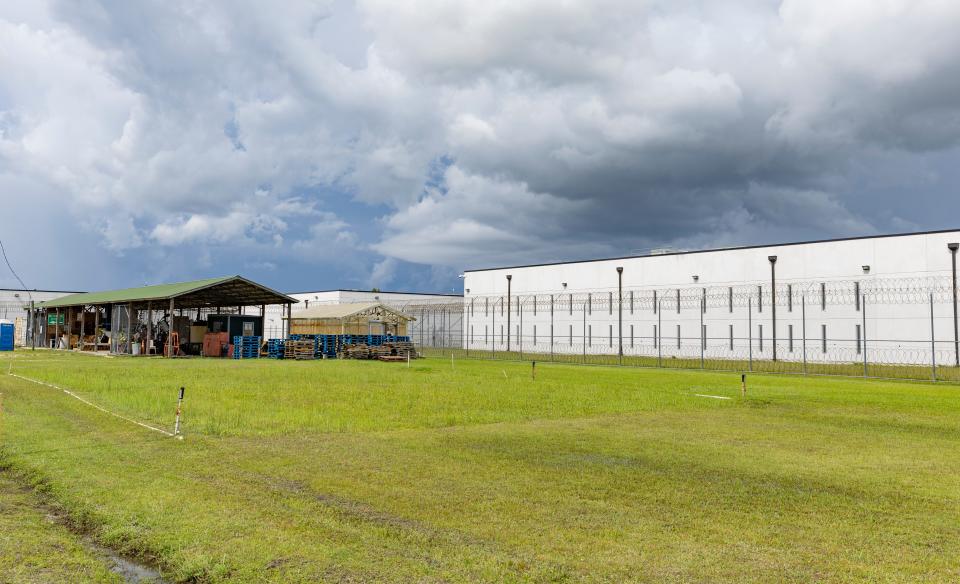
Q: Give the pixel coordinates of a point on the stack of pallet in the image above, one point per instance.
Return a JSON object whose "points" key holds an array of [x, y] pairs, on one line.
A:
{"points": [[329, 345], [356, 351], [299, 349], [353, 346], [246, 347], [315, 339], [378, 351], [275, 348], [395, 351]]}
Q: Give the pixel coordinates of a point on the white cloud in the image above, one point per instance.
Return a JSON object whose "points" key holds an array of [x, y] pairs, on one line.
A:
{"points": [[476, 218], [383, 272]]}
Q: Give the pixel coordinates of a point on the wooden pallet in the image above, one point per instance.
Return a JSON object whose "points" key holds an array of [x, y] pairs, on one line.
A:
{"points": [[299, 350], [356, 351], [395, 351]]}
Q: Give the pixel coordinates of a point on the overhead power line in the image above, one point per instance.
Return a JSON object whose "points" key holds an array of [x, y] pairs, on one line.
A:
{"points": [[14, 272]]}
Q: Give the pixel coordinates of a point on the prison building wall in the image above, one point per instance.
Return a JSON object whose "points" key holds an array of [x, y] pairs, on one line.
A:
{"points": [[886, 298]]}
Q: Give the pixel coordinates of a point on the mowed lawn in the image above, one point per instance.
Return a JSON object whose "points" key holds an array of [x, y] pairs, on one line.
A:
{"points": [[364, 471]]}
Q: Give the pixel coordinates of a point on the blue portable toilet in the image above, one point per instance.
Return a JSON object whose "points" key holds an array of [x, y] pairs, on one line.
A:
{"points": [[6, 336]]}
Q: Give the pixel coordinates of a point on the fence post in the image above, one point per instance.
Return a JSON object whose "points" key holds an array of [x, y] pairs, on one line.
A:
{"points": [[551, 327], [933, 344], [620, 315], [584, 332], [703, 336], [750, 331], [493, 332], [803, 327], [863, 313], [660, 334], [520, 332]]}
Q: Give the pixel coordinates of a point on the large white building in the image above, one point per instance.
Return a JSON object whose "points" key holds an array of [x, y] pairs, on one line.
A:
{"points": [[889, 299]]}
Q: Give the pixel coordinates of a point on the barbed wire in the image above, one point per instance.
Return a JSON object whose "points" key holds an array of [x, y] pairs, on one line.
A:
{"points": [[907, 290]]}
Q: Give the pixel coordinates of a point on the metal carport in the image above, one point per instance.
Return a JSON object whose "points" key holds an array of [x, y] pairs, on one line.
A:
{"points": [[209, 295]]}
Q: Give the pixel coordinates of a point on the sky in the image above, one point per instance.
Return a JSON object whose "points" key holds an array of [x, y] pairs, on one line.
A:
{"points": [[339, 144]]}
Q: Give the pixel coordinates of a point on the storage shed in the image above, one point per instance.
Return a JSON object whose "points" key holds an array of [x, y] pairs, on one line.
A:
{"points": [[170, 319], [359, 318]]}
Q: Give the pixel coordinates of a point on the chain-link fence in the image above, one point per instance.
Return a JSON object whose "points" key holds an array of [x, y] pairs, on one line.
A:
{"points": [[895, 328]]}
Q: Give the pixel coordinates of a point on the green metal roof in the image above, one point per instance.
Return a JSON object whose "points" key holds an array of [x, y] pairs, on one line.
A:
{"points": [[145, 293]]}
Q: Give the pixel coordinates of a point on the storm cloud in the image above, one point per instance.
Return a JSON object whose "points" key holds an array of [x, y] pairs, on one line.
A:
{"points": [[396, 143]]}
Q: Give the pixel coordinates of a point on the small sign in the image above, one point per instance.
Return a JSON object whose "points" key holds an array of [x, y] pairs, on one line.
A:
{"points": [[52, 319]]}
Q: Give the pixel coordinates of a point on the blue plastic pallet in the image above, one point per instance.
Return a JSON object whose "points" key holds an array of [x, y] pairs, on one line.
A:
{"points": [[246, 347], [275, 348]]}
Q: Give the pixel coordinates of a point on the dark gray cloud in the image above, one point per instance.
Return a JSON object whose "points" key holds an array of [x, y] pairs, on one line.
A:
{"points": [[347, 143], [693, 123]]}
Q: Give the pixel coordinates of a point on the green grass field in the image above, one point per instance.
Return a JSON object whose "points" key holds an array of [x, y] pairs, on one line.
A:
{"points": [[365, 471], [36, 548]]}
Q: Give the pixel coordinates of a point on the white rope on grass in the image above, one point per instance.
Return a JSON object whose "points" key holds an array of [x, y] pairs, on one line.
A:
{"points": [[712, 396], [91, 404]]}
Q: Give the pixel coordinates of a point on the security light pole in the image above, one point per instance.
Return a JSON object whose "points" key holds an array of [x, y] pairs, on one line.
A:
{"points": [[509, 278], [956, 337], [620, 314], [773, 300]]}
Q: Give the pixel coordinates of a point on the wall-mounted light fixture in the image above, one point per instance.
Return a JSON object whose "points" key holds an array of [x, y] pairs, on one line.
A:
{"points": [[696, 278], [866, 269]]}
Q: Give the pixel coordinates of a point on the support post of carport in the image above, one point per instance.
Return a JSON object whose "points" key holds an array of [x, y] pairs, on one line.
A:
{"points": [[96, 327], [69, 326], [129, 328], [44, 322], [83, 324], [149, 328], [287, 334], [113, 329], [170, 331]]}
